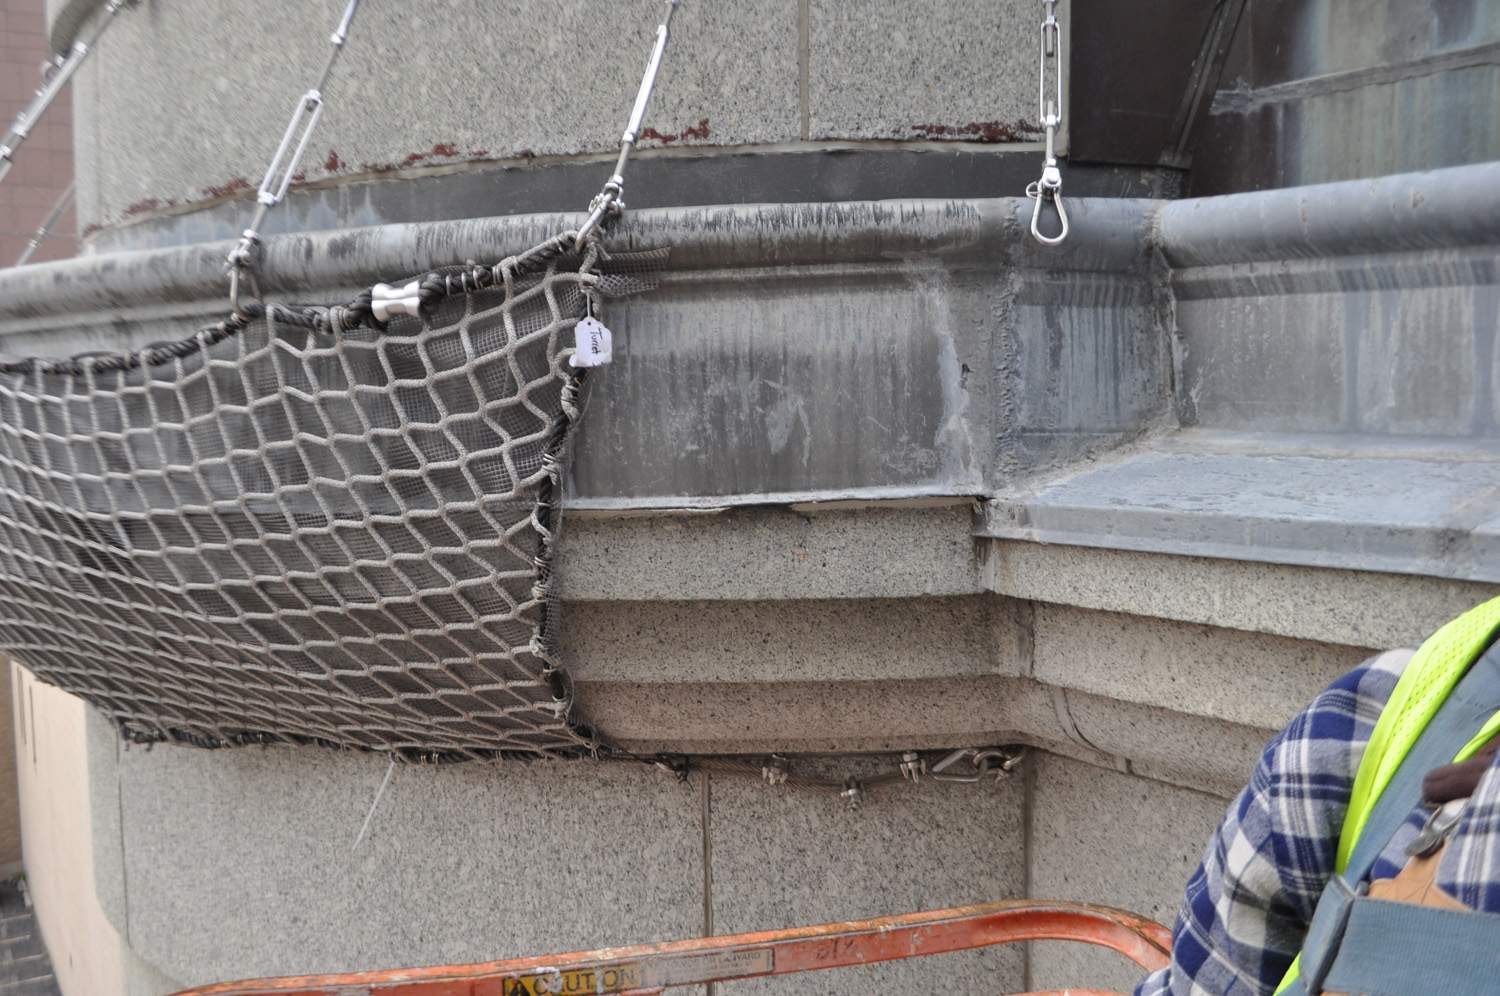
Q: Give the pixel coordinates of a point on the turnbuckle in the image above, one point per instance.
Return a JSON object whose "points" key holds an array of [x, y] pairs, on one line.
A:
{"points": [[608, 200], [273, 186], [1049, 113]]}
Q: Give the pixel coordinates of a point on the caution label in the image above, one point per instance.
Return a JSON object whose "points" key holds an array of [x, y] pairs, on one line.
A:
{"points": [[575, 981]]}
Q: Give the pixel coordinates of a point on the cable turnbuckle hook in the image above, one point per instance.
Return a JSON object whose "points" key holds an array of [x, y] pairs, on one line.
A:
{"points": [[243, 260], [1048, 188]]}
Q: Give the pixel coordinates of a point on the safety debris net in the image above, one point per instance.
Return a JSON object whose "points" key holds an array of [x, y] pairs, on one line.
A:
{"points": [[303, 525]]}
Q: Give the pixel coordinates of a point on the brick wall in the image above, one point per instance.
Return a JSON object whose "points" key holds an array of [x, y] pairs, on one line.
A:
{"points": [[44, 164]]}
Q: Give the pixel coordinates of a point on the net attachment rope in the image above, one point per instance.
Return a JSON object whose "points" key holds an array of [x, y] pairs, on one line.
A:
{"points": [[305, 525]]}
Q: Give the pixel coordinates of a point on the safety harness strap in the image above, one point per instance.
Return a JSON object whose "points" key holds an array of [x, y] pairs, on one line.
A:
{"points": [[1453, 716], [1469, 705], [1403, 949], [1424, 686]]}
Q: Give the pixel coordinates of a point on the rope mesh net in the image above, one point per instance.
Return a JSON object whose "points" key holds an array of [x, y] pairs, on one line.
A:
{"points": [[297, 528]]}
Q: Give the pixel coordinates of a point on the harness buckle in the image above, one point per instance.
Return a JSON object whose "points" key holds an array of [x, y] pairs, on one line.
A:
{"points": [[1437, 829]]}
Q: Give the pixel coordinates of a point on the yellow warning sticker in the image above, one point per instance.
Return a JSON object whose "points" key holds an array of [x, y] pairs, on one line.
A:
{"points": [[575, 981]]}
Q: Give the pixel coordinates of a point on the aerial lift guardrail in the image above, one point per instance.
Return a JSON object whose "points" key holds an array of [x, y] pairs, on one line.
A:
{"points": [[650, 969]]}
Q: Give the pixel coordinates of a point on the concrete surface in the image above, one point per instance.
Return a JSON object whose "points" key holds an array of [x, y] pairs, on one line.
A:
{"points": [[424, 887], [887, 69], [1130, 708], [780, 641], [562, 84], [886, 550], [736, 75], [314, 906], [1103, 837], [782, 859], [1350, 607], [1245, 678]]}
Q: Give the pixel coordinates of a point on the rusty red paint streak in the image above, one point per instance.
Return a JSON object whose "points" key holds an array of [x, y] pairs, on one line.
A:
{"points": [[229, 189], [981, 131], [333, 162], [148, 205], [91, 229], [442, 150], [698, 131]]}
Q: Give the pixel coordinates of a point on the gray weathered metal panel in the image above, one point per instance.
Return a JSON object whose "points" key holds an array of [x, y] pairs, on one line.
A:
{"points": [[1366, 307], [891, 348], [1376, 513]]}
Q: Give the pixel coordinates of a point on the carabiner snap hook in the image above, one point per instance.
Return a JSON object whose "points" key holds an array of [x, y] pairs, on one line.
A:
{"points": [[1038, 193], [243, 260]]}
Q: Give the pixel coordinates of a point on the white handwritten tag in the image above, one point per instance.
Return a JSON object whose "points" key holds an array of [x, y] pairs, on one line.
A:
{"points": [[593, 345]]}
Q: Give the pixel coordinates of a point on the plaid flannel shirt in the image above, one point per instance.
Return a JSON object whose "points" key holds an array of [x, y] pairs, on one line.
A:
{"points": [[1247, 906]]}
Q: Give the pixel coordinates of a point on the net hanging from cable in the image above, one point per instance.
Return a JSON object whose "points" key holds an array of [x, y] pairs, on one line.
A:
{"points": [[295, 526], [329, 525]]}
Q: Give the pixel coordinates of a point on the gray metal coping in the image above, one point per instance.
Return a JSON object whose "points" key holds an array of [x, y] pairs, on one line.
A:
{"points": [[1279, 500], [1440, 209], [1109, 235], [1451, 208]]}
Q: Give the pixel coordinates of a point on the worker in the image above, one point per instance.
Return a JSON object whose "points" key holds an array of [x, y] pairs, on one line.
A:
{"points": [[1364, 854]]}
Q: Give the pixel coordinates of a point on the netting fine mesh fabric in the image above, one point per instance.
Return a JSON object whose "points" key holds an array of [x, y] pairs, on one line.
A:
{"points": [[300, 531]]}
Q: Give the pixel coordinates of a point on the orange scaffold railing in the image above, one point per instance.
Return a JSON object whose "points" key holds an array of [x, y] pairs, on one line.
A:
{"points": [[648, 969]]}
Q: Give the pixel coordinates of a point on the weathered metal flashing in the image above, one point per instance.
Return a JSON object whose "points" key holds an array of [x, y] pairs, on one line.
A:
{"points": [[975, 232], [1437, 210], [890, 350]]}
